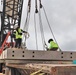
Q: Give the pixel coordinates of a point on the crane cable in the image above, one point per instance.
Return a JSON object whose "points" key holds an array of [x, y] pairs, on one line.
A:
{"points": [[50, 27], [41, 26], [44, 40], [36, 11], [35, 31], [27, 19], [41, 29], [41, 6], [28, 15], [29, 4]]}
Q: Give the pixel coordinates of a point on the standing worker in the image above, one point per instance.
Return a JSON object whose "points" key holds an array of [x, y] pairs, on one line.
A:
{"points": [[53, 46], [18, 36]]}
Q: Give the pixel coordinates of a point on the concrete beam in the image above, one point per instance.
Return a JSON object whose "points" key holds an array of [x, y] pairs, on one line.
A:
{"points": [[22, 54]]}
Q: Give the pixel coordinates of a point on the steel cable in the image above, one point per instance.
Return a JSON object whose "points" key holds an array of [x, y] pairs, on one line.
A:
{"points": [[50, 27], [41, 29], [35, 31]]}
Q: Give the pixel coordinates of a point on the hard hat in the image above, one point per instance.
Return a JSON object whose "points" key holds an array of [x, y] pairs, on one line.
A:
{"points": [[50, 40], [16, 26]]}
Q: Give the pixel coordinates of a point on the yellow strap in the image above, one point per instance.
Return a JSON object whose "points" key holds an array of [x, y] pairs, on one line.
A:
{"points": [[35, 72], [41, 74]]}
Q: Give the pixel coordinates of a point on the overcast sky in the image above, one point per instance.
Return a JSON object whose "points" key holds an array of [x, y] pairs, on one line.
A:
{"points": [[62, 18]]}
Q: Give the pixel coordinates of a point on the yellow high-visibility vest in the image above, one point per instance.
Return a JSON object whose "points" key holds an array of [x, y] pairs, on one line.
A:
{"points": [[18, 34], [53, 45]]}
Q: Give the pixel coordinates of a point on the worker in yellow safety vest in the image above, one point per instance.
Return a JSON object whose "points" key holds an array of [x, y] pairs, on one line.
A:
{"points": [[53, 46], [18, 36]]}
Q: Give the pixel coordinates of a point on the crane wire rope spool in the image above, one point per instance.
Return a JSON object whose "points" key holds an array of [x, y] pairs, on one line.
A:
{"points": [[41, 6]]}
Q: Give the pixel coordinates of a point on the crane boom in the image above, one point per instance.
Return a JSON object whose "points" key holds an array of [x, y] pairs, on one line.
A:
{"points": [[11, 16]]}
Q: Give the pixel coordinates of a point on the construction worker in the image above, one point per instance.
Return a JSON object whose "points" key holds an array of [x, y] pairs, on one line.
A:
{"points": [[53, 46], [18, 36]]}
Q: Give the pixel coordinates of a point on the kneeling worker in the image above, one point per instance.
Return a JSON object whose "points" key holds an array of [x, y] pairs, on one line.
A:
{"points": [[53, 46]]}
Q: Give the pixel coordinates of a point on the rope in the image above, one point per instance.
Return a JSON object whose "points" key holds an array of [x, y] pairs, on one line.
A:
{"points": [[41, 29], [29, 4], [27, 18], [41, 7], [28, 15], [35, 32]]}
